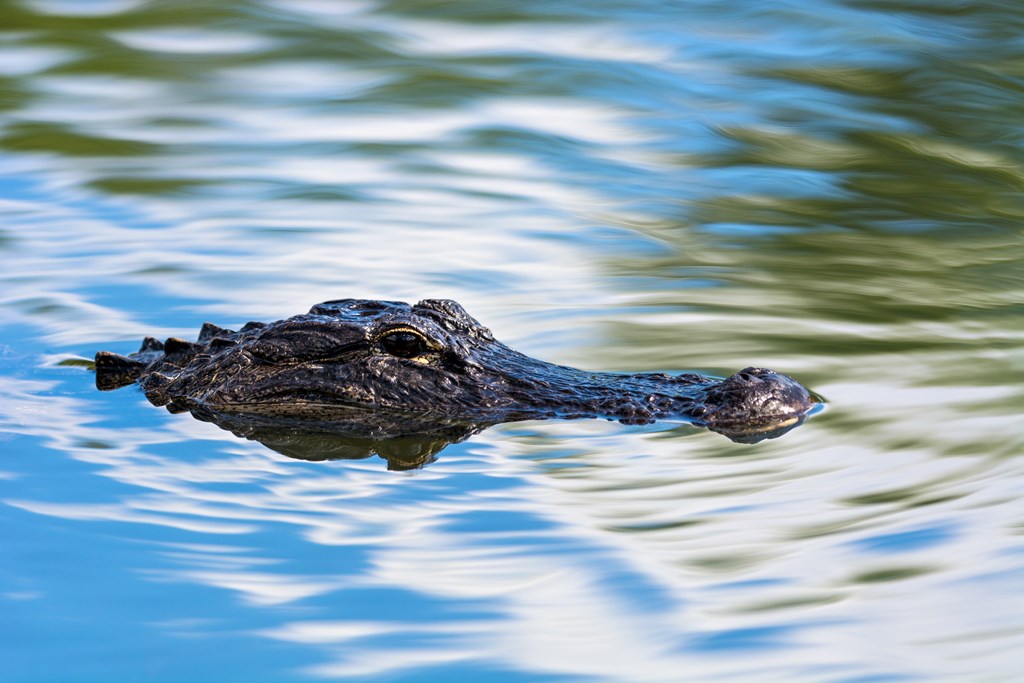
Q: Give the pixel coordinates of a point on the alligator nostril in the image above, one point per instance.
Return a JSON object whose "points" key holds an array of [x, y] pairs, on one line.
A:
{"points": [[745, 376]]}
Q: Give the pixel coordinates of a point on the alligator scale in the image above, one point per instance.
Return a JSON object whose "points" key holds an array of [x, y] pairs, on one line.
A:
{"points": [[429, 362]]}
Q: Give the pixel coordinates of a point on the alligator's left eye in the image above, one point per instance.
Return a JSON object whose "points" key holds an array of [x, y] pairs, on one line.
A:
{"points": [[403, 344]]}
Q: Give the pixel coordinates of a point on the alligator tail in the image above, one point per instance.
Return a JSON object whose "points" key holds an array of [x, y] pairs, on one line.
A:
{"points": [[114, 370]]}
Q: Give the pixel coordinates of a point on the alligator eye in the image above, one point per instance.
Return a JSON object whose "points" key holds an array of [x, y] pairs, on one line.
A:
{"points": [[403, 344]]}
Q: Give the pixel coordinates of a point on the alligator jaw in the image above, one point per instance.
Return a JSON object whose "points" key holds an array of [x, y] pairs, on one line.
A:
{"points": [[752, 401], [756, 401]]}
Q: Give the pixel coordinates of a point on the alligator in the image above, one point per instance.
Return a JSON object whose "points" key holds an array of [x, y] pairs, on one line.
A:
{"points": [[423, 363]]}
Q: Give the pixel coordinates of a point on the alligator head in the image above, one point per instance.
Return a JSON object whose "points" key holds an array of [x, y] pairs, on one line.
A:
{"points": [[431, 360]]}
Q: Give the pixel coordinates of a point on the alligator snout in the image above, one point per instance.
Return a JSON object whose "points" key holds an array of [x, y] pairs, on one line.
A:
{"points": [[755, 399]]}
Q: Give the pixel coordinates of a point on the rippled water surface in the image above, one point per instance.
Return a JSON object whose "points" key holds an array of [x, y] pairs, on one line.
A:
{"points": [[831, 189]]}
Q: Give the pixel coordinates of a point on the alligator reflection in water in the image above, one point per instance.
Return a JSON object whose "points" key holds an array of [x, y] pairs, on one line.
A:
{"points": [[349, 433], [355, 377]]}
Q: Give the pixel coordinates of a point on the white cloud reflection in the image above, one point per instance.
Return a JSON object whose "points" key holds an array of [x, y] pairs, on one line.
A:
{"points": [[83, 9], [21, 60], [193, 41]]}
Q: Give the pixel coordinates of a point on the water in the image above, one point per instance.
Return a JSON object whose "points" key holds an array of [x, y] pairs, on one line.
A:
{"points": [[833, 191]]}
